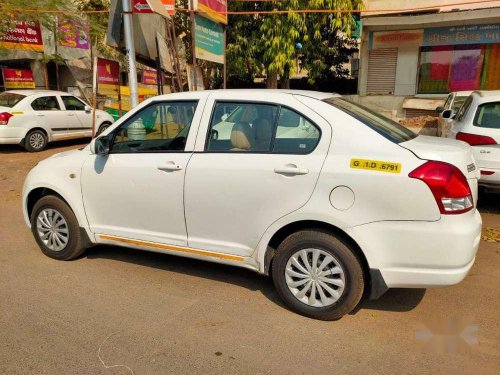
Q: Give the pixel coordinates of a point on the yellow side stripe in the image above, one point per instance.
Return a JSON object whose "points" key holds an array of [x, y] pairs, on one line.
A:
{"points": [[172, 248]]}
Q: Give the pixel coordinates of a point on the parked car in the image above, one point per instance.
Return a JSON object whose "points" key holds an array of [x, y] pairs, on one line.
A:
{"points": [[357, 204], [453, 102], [33, 118], [478, 123]]}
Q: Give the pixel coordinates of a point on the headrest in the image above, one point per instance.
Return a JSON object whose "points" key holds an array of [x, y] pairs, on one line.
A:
{"points": [[241, 135]]}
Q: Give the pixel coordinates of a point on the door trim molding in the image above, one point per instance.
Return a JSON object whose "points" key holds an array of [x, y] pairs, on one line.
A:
{"points": [[180, 249]]}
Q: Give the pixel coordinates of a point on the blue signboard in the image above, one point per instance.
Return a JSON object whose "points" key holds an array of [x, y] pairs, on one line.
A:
{"points": [[466, 34]]}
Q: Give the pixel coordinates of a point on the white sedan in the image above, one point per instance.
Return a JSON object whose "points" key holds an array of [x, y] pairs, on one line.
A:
{"points": [[33, 118], [327, 197], [478, 124]]}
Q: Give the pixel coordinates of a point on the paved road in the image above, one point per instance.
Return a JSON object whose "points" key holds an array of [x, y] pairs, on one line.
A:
{"points": [[116, 311]]}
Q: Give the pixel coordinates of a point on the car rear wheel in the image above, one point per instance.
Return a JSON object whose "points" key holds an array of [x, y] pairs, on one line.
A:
{"points": [[318, 275], [56, 229], [35, 141]]}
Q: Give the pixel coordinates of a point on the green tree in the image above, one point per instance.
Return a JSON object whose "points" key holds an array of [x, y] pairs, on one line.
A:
{"points": [[268, 42]]}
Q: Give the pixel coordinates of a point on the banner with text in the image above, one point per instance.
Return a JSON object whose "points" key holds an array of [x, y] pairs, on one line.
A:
{"points": [[24, 35], [212, 9], [467, 34], [142, 6], [108, 77], [149, 77], [209, 40], [73, 33], [18, 78]]}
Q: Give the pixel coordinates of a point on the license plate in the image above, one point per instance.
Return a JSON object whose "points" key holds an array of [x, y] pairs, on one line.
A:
{"points": [[376, 165]]}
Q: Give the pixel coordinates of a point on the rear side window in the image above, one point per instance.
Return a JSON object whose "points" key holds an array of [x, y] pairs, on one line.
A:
{"points": [[386, 127], [45, 103], [260, 127], [8, 99], [488, 115]]}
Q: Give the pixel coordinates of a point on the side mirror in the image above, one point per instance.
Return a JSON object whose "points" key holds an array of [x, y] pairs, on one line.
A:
{"points": [[440, 109], [100, 146], [447, 114], [88, 109]]}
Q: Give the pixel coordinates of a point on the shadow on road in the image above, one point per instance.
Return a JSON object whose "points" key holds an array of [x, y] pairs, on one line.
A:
{"points": [[488, 202], [17, 149], [399, 300]]}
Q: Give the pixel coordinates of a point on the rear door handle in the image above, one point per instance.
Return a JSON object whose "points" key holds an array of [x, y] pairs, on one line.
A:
{"points": [[170, 167], [40, 114], [291, 170], [71, 114]]}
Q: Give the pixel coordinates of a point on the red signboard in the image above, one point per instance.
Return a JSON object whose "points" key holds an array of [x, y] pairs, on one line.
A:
{"points": [[108, 76], [25, 35], [142, 6], [18, 78], [149, 77]]}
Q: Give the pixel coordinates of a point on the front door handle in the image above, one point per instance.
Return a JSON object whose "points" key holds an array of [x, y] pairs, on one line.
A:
{"points": [[170, 167], [71, 114], [291, 170]]}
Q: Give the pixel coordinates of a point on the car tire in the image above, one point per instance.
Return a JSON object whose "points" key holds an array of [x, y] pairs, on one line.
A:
{"points": [[103, 127], [52, 214], [343, 273], [35, 141]]}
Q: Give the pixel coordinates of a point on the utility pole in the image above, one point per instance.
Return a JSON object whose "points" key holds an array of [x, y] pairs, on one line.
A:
{"points": [[193, 48], [129, 46]]}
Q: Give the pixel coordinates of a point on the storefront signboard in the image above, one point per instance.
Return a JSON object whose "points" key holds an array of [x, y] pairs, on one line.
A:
{"points": [[466, 34], [108, 76], [149, 77], [24, 35], [18, 78], [209, 40], [398, 38]]}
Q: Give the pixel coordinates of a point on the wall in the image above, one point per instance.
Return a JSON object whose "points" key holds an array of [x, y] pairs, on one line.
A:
{"points": [[407, 4]]}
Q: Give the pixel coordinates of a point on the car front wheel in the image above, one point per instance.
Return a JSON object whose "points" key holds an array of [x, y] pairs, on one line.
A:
{"points": [[318, 275], [56, 229]]}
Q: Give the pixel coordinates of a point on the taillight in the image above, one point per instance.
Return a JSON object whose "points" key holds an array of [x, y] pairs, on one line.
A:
{"points": [[4, 118], [448, 185], [475, 140], [487, 173]]}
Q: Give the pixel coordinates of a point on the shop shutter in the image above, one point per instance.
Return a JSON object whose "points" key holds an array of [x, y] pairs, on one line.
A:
{"points": [[382, 70]]}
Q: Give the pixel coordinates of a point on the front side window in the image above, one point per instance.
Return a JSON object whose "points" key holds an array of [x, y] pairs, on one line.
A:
{"points": [[463, 109], [45, 103], [72, 104], [160, 127], [488, 116], [386, 127], [260, 127]]}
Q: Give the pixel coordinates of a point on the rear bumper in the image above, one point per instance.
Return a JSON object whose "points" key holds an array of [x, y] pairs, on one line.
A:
{"points": [[418, 254], [492, 181], [11, 135]]}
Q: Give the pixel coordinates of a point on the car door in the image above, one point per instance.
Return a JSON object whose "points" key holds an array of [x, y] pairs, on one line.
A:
{"points": [[239, 183], [49, 116], [79, 120], [136, 191]]}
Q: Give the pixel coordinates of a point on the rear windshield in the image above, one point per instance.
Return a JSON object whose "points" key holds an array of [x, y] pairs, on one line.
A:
{"points": [[488, 115], [386, 127], [8, 99]]}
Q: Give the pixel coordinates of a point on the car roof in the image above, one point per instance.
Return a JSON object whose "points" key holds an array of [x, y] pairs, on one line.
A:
{"points": [[206, 93], [30, 92], [487, 93], [463, 93]]}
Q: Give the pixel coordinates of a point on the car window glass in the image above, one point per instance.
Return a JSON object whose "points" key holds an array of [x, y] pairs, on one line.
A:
{"points": [[242, 127], [45, 103], [457, 103], [160, 127], [8, 99], [72, 104], [463, 109], [384, 126], [295, 134], [488, 116], [448, 101]]}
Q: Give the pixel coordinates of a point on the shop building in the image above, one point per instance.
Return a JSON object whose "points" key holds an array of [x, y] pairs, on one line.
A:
{"points": [[409, 62]]}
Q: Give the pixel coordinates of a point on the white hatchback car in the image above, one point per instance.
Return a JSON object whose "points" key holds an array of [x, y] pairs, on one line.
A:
{"points": [[359, 203], [478, 123], [33, 118]]}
